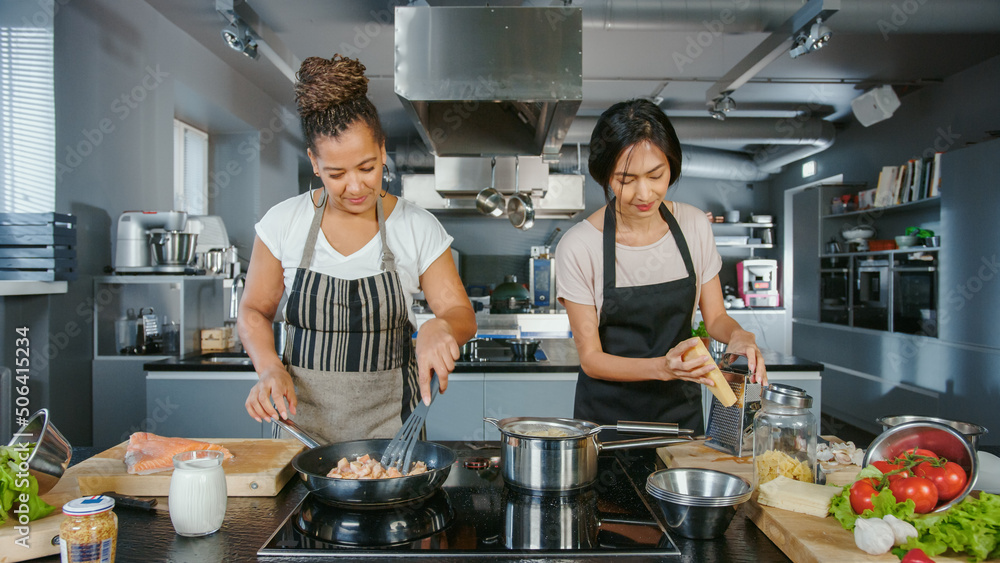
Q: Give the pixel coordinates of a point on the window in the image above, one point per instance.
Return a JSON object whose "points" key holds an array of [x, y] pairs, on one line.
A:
{"points": [[190, 169], [27, 121]]}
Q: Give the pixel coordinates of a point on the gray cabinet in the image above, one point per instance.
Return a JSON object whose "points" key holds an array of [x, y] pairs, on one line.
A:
{"points": [[118, 384], [201, 404], [528, 394], [457, 414]]}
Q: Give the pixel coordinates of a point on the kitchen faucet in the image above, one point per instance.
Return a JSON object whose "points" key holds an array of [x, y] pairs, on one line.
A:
{"points": [[238, 281]]}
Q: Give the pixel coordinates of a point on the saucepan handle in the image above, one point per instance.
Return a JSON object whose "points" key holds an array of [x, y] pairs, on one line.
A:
{"points": [[650, 427], [492, 421], [641, 443], [289, 426]]}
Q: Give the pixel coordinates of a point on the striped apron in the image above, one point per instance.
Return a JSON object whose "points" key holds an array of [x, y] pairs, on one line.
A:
{"points": [[349, 348]]}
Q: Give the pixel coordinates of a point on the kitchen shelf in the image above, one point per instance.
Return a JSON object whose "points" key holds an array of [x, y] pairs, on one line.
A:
{"points": [[745, 225], [18, 287], [893, 251], [909, 206], [722, 244]]}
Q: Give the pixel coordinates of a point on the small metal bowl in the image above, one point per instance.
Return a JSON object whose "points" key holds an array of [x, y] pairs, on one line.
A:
{"points": [[523, 348], [52, 451], [939, 438], [698, 503], [972, 432]]}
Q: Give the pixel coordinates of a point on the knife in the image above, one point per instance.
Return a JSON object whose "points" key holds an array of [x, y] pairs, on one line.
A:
{"points": [[126, 501]]}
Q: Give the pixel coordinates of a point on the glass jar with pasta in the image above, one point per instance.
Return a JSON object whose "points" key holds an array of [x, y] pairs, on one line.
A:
{"points": [[784, 436], [89, 534]]}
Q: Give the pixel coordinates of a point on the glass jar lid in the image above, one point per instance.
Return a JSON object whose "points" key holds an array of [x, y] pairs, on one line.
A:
{"points": [[88, 505], [786, 395]]}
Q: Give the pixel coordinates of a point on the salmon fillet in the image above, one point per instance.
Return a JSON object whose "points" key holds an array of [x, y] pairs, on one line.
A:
{"points": [[149, 453]]}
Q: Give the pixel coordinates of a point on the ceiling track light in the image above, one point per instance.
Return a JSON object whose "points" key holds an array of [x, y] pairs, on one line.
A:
{"points": [[722, 105], [239, 38], [815, 39]]}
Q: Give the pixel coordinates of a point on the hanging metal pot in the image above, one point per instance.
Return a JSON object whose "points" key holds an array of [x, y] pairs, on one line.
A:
{"points": [[520, 209], [490, 201]]}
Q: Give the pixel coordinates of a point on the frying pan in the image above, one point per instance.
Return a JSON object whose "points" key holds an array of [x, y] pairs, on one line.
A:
{"points": [[490, 201], [314, 463]]}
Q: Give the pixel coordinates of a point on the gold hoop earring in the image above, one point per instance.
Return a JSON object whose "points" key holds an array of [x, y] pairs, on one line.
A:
{"points": [[385, 180]]}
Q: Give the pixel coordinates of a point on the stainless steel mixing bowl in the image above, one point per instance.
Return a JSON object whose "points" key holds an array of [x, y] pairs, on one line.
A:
{"points": [[972, 432], [698, 503], [941, 439], [51, 453]]}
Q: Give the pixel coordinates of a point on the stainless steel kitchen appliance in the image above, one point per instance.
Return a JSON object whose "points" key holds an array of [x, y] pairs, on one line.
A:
{"points": [[758, 282], [133, 242]]}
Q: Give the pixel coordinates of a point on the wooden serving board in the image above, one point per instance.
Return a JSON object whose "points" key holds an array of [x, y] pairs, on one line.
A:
{"points": [[803, 538], [259, 468]]}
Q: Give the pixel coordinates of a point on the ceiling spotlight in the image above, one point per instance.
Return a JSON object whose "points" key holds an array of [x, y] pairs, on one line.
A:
{"points": [[721, 116], [726, 104], [799, 46], [239, 38], [819, 35]]}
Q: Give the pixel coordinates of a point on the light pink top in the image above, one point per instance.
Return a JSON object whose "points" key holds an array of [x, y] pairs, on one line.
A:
{"points": [[580, 259]]}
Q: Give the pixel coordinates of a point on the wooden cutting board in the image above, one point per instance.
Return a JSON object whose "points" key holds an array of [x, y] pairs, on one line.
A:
{"points": [[259, 468], [803, 538]]}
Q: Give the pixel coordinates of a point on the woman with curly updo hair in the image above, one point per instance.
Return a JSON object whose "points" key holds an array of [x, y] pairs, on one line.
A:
{"points": [[349, 256]]}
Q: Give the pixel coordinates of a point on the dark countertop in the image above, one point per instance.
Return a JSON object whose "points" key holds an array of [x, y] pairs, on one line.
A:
{"points": [[560, 356], [149, 536]]}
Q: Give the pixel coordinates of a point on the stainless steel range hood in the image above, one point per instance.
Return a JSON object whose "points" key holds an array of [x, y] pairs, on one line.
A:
{"points": [[490, 81]]}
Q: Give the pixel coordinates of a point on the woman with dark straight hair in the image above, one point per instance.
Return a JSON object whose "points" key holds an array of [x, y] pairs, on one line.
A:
{"points": [[632, 274]]}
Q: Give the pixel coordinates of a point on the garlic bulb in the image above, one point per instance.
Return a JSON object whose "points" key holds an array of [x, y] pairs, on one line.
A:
{"points": [[873, 535], [901, 529]]}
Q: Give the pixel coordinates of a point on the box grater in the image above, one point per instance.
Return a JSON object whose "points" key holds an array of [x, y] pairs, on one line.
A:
{"points": [[730, 429]]}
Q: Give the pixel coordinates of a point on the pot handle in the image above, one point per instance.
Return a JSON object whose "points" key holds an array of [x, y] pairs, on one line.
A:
{"points": [[492, 421], [289, 426], [650, 427], [641, 443]]}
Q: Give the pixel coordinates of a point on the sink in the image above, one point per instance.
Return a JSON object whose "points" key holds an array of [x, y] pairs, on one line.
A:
{"points": [[240, 358]]}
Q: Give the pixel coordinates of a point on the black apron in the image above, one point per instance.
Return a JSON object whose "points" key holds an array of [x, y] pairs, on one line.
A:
{"points": [[642, 322]]}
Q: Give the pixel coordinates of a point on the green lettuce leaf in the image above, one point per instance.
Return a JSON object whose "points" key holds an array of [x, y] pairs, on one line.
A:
{"points": [[971, 526], [10, 493]]}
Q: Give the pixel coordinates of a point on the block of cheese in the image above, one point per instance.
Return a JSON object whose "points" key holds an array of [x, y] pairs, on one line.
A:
{"points": [[722, 391], [797, 496]]}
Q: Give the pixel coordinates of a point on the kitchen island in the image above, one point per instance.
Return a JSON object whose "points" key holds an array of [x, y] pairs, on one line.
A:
{"points": [[250, 522]]}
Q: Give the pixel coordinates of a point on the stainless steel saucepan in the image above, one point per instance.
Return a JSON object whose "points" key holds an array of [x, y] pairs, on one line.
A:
{"points": [[560, 454]]}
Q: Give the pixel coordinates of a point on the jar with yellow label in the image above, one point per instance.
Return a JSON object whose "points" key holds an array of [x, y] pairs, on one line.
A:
{"points": [[89, 533]]}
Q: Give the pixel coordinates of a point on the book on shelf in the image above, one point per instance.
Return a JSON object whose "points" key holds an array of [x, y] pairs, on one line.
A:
{"points": [[933, 189], [912, 181], [886, 184]]}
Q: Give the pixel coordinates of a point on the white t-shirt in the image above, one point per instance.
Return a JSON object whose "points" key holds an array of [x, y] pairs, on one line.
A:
{"points": [[580, 259], [416, 238]]}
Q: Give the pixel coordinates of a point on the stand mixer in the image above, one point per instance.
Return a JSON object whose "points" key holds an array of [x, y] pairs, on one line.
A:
{"points": [[132, 250], [857, 236]]}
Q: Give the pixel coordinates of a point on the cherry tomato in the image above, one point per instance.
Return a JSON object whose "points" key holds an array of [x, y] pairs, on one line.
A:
{"points": [[922, 491], [916, 555], [861, 495], [949, 478], [891, 470]]}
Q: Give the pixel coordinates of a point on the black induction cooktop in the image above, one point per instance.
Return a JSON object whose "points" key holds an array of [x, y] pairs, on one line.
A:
{"points": [[476, 515]]}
